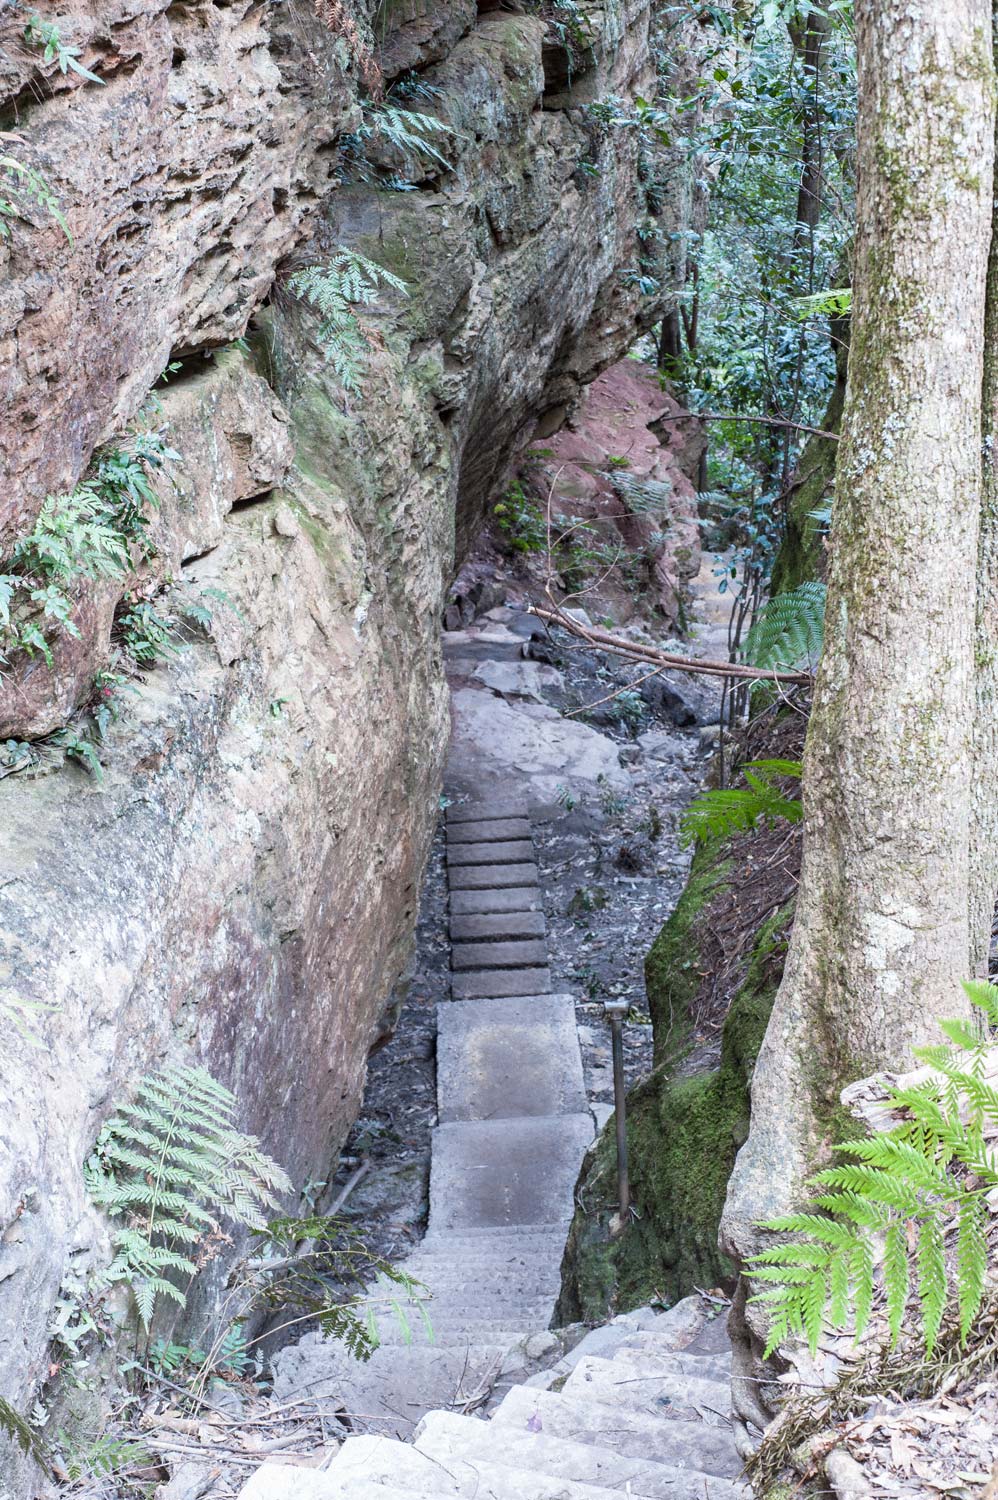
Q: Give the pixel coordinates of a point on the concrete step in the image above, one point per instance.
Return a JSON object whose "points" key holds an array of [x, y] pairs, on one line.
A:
{"points": [[487, 810], [501, 1173], [483, 984], [512, 898], [468, 1333], [509, 1058], [621, 1429], [515, 1236], [660, 1392], [508, 852], [656, 1359], [608, 1340], [687, 1321], [276, 1481], [491, 1288], [500, 983], [521, 953], [408, 1468], [484, 926], [491, 877], [400, 1381], [492, 831], [447, 1437]]}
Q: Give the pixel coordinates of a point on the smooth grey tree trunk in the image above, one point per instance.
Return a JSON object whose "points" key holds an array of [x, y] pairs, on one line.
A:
{"points": [[881, 937]]}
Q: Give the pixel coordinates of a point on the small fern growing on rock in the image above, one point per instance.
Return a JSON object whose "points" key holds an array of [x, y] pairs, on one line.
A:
{"points": [[720, 813], [334, 290], [23, 1434], [789, 630], [916, 1197], [172, 1166]]}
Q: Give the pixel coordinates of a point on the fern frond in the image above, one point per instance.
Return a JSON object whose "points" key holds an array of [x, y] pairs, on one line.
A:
{"points": [[172, 1165], [345, 281], [789, 630], [23, 1434], [721, 813], [922, 1179]]}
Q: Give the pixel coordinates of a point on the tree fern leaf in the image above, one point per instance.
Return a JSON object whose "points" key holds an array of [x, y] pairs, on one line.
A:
{"points": [[931, 1279], [896, 1276], [971, 1259], [789, 630]]}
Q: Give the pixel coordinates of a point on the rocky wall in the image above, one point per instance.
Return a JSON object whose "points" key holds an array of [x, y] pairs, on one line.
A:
{"points": [[240, 886]]}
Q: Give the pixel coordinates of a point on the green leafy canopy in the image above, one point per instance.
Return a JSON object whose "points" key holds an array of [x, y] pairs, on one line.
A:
{"points": [[914, 1198]]}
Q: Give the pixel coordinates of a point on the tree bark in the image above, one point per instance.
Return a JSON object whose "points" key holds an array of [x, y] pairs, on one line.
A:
{"points": [[984, 827], [881, 935]]}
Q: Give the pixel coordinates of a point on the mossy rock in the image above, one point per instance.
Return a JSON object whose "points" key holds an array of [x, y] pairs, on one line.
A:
{"points": [[674, 963], [683, 1134]]}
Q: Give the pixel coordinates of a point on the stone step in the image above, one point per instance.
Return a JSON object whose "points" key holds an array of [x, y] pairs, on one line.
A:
{"points": [[512, 852], [716, 1367], [493, 831], [660, 1392], [511, 1236], [621, 1429], [408, 1469], [483, 926], [491, 877], [447, 1436], [487, 810], [466, 1333], [505, 1058], [495, 984], [519, 954], [513, 898], [501, 1173], [391, 1390], [276, 1481]]}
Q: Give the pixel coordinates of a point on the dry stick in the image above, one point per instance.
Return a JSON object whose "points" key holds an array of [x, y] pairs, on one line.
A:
{"points": [[665, 660], [730, 416]]}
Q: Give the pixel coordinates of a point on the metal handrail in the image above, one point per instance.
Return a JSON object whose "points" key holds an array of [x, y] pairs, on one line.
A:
{"points": [[616, 1011]]}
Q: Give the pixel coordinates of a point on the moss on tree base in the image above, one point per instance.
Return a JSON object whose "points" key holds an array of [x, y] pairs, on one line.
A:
{"points": [[683, 1132]]}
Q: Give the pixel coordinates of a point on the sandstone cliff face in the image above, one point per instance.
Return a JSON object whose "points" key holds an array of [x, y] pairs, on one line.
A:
{"points": [[240, 889]]}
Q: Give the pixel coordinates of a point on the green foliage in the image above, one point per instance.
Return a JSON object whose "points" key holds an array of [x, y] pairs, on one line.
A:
{"points": [[719, 814], [920, 1191], [390, 128], [641, 496], [21, 185], [98, 530], [789, 630], [333, 290], [107, 1457], [327, 1281], [172, 1166], [47, 36], [22, 1433], [19, 1014], [520, 520]]}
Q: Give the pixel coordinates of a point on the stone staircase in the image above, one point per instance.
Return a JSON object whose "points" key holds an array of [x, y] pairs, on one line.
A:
{"points": [[638, 1406]]}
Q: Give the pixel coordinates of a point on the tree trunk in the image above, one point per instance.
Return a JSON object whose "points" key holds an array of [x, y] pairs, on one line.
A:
{"points": [[881, 935], [984, 831]]}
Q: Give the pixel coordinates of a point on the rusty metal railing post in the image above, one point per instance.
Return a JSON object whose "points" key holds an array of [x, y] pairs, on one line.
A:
{"points": [[615, 1011]]}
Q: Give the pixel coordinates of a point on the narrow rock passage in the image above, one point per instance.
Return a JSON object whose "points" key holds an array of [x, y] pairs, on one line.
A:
{"points": [[638, 1405]]}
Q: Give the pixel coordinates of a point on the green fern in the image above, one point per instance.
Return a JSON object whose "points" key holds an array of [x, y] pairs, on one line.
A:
{"points": [[333, 290], [719, 814], [172, 1165], [909, 1188], [789, 631], [23, 1434], [641, 496]]}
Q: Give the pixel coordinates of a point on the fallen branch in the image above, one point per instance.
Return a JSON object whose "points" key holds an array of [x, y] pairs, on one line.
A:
{"points": [[663, 660], [731, 416]]}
